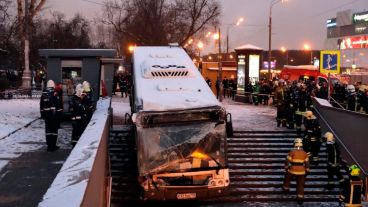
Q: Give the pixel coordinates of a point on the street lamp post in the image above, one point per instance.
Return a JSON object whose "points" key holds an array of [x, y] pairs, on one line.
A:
{"points": [[218, 38], [269, 35], [240, 20]]}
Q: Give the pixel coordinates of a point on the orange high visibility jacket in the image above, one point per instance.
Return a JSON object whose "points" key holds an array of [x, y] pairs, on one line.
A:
{"points": [[297, 162]]}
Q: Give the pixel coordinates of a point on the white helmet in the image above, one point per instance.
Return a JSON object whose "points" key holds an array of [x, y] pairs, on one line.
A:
{"points": [[298, 142], [50, 84], [78, 90], [329, 136], [86, 86], [350, 88]]}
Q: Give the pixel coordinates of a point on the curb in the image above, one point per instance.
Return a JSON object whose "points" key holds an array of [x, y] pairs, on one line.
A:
{"points": [[25, 126]]}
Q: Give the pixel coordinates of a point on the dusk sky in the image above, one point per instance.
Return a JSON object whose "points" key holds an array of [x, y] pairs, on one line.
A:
{"points": [[295, 23]]}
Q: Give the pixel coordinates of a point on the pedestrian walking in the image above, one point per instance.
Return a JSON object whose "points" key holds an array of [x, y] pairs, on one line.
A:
{"points": [[51, 112], [296, 165], [333, 161]]}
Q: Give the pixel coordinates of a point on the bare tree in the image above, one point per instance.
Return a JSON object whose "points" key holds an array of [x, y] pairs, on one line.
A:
{"points": [[26, 12], [159, 22]]}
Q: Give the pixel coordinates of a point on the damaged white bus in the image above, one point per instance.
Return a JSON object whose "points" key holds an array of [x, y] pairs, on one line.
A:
{"points": [[180, 127]]}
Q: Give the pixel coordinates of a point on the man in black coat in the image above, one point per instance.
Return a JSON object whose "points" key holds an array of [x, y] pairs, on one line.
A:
{"points": [[51, 112]]}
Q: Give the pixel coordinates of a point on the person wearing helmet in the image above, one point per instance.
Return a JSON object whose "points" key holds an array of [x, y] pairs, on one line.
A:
{"points": [[333, 161], [79, 114], [353, 188], [51, 112], [351, 98], [87, 101], [301, 105], [296, 165], [312, 138]]}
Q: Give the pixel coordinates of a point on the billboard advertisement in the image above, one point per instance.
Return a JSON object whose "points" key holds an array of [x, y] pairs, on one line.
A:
{"points": [[354, 42], [253, 68], [330, 61]]}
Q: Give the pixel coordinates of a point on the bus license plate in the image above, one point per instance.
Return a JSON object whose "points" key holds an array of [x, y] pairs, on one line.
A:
{"points": [[186, 195]]}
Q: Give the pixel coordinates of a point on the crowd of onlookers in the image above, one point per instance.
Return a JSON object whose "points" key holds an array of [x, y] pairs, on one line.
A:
{"points": [[352, 97]]}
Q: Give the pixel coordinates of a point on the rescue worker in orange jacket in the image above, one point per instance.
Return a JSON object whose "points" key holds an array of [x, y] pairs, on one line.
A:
{"points": [[353, 188], [296, 165]]}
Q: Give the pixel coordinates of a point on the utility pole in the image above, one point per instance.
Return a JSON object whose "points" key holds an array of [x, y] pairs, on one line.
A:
{"points": [[26, 78], [220, 65]]}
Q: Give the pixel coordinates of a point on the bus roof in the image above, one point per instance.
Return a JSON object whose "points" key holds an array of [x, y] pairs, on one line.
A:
{"points": [[166, 79]]}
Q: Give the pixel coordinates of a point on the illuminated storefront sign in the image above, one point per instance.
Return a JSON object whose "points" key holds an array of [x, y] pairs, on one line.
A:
{"points": [[330, 61], [360, 17], [331, 22], [354, 42], [265, 64], [253, 68]]}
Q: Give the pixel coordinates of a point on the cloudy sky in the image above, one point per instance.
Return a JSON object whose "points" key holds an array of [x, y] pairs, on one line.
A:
{"points": [[295, 23]]}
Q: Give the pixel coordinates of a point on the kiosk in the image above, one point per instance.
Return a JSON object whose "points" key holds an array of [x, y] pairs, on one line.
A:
{"points": [[248, 65]]}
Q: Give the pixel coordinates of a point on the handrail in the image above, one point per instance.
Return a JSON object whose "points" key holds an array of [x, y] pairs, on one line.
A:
{"points": [[330, 98], [341, 143]]}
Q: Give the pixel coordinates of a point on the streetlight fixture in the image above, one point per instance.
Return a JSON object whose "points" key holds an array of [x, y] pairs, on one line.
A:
{"points": [[283, 50], [200, 47], [308, 48], [131, 48], [238, 22], [269, 35]]}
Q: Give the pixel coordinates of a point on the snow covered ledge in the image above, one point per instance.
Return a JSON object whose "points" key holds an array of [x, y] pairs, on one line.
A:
{"points": [[82, 179]]}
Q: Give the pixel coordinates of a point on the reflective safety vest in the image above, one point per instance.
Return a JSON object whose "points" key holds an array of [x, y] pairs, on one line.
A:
{"points": [[297, 162]]}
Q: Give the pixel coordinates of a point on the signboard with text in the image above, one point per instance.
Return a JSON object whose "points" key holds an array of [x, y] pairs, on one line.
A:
{"points": [[360, 17], [330, 61], [354, 42]]}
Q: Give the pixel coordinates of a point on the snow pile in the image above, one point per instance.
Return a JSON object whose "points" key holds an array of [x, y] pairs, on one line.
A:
{"points": [[15, 114], [71, 182]]}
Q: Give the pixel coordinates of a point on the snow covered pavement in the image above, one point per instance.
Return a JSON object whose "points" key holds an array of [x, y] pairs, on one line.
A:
{"points": [[21, 115]]}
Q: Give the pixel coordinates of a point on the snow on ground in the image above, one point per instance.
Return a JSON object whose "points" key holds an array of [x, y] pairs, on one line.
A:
{"points": [[71, 182], [244, 116], [17, 113], [251, 117]]}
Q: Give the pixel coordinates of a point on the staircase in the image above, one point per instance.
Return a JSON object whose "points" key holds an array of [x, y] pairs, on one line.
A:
{"points": [[123, 161], [256, 162]]}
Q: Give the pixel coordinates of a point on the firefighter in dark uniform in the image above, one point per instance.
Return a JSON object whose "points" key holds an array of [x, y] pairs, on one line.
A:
{"points": [[289, 107], [280, 104], [51, 112], [87, 100], [79, 114], [353, 189], [333, 161], [312, 136], [301, 105], [296, 165]]}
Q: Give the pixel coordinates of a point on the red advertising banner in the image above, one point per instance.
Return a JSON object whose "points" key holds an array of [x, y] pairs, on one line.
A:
{"points": [[354, 42]]}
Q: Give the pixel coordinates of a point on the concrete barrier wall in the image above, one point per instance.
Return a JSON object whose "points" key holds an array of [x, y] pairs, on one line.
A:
{"points": [[349, 127], [82, 181]]}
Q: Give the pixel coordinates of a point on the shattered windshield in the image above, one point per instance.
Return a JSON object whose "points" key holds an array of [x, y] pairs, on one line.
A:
{"points": [[181, 147]]}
